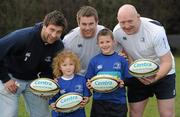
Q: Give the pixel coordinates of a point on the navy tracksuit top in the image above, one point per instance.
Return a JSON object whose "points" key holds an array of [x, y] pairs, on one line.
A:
{"points": [[24, 54]]}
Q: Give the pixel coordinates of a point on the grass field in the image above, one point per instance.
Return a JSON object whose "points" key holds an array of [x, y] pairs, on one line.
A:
{"points": [[151, 109]]}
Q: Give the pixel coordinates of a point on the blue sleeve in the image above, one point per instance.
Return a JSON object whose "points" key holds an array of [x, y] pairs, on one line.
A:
{"points": [[125, 67], [90, 71], [86, 92]]}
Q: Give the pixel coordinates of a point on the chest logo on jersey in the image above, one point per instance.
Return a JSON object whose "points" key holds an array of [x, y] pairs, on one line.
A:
{"points": [[99, 67], [27, 55], [48, 59], [117, 66], [78, 88], [62, 91], [142, 39], [124, 38], [80, 45]]}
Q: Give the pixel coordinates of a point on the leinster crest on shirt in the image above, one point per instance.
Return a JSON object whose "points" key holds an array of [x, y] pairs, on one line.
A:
{"points": [[117, 66]]}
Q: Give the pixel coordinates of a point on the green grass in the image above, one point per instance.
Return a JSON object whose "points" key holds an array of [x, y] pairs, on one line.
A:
{"points": [[22, 109], [151, 109]]}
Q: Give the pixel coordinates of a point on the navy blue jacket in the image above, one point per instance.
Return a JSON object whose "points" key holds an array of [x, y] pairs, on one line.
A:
{"points": [[24, 54]]}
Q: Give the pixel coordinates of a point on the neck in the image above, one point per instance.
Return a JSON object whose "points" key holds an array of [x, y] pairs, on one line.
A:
{"points": [[68, 77], [112, 52]]}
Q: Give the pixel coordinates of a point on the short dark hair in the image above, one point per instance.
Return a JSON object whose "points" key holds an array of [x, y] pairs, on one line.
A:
{"points": [[87, 11], [105, 32], [56, 18]]}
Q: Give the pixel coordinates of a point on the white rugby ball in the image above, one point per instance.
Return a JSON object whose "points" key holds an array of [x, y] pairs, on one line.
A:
{"points": [[104, 83], [143, 68], [68, 102], [44, 87]]}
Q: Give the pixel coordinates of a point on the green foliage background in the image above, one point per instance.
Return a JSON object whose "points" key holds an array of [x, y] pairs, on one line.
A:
{"points": [[15, 14]]}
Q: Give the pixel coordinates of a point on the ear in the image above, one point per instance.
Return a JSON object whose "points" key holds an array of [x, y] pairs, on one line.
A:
{"points": [[117, 18]]}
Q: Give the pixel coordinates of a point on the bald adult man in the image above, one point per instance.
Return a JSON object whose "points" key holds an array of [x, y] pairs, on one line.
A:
{"points": [[146, 38]]}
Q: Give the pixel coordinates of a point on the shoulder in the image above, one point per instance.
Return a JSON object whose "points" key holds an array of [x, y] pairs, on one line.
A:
{"points": [[118, 32], [79, 77], [120, 58], [20, 36], [116, 28], [151, 25], [72, 34], [24, 32], [97, 56], [72, 38], [28, 31], [59, 44], [151, 21], [100, 27]]}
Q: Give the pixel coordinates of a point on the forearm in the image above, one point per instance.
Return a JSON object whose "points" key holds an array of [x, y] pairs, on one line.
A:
{"points": [[165, 65]]}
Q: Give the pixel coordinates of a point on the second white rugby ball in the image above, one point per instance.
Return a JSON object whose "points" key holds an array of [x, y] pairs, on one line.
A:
{"points": [[143, 68], [44, 87], [104, 83], [68, 102]]}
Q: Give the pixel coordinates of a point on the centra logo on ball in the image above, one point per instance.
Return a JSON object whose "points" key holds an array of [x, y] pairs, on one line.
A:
{"points": [[68, 102], [143, 68], [104, 83], [143, 64], [44, 87], [43, 83]]}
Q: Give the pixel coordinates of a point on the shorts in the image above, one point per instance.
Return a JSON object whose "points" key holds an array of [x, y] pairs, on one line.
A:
{"points": [[108, 109], [162, 89]]}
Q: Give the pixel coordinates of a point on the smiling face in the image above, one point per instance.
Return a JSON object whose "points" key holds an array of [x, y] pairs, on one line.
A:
{"points": [[67, 67], [128, 19], [106, 44], [88, 26], [51, 33]]}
